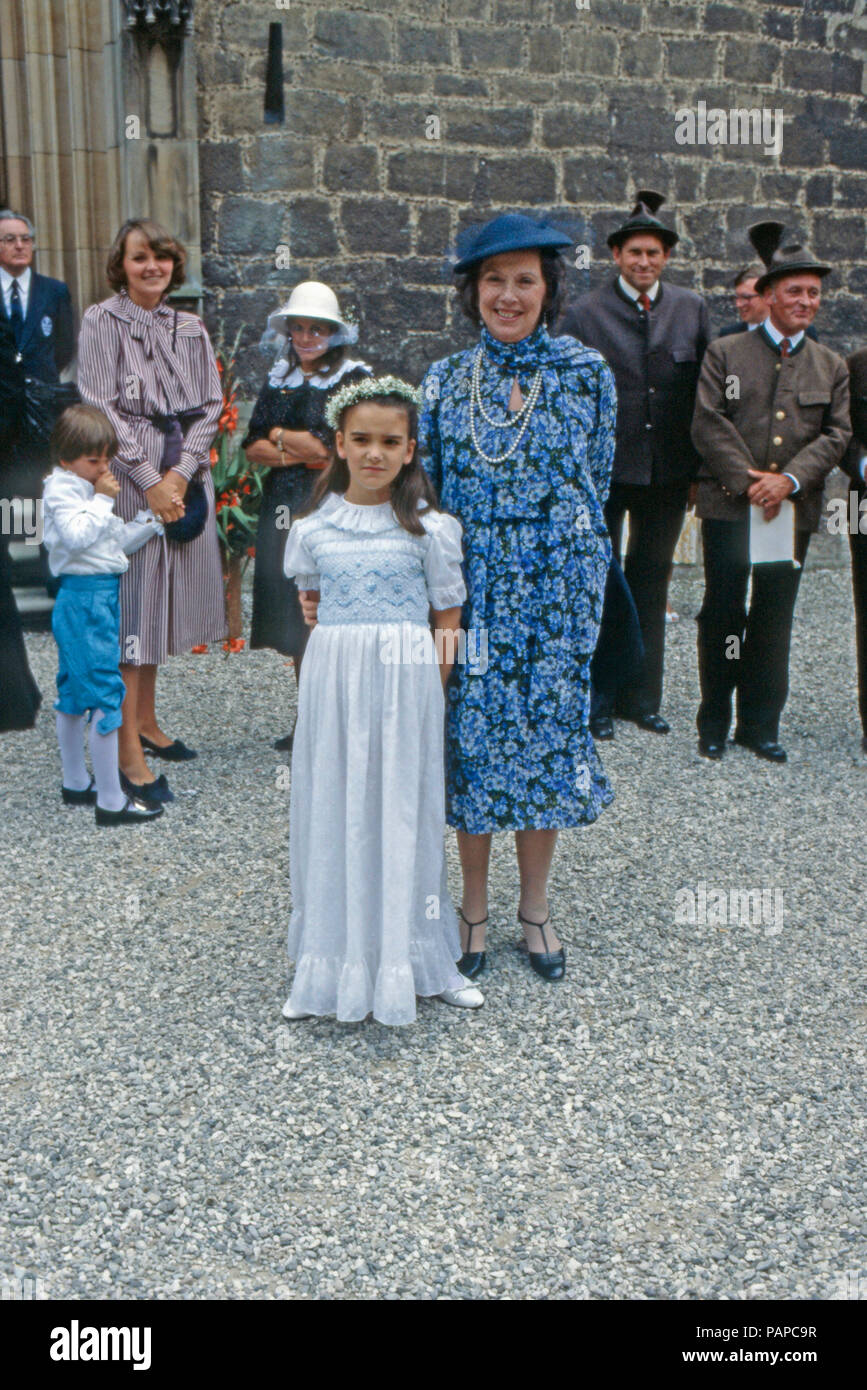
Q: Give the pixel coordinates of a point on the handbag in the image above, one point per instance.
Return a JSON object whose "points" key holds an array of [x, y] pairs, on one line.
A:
{"points": [[192, 523], [43, 403]]}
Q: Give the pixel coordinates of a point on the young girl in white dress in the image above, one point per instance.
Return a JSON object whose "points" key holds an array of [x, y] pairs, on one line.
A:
{"points": [[373, 925]]}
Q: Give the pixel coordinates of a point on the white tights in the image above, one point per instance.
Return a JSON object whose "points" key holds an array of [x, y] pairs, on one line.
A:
{"points": [[103, 755]]}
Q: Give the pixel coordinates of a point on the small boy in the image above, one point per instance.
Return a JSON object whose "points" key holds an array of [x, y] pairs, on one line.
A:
{"points": [[87, 548]]}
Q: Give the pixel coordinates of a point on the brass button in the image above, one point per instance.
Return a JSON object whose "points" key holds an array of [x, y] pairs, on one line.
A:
{"points": [[778, 439], [777, 366], [781, 414], [774, 467]]}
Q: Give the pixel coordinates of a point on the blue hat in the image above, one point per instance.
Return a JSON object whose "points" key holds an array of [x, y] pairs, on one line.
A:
{"points": [[192, 523], [511, 232]]}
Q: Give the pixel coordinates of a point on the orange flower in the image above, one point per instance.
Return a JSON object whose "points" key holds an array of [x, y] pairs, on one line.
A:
{"points": [[234, 644], [200, 649], [251, 550], [215, 457], [220, 365], [228, 421]]}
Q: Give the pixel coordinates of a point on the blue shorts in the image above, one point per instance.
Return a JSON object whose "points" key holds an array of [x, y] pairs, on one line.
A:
{"points": [[86, 627]]}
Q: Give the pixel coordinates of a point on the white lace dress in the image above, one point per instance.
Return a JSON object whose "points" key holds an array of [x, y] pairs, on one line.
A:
{"points": [[372, 923]]}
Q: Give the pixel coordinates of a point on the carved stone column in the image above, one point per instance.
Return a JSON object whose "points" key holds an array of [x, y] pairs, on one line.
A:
{"points": [[97, 124], [160, 151]]}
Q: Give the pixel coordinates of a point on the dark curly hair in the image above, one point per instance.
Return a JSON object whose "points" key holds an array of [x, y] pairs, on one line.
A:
{"points": [[553, 270]]}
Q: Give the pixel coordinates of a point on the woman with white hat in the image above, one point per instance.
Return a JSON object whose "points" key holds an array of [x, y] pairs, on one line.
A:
{"points": [[288, 434]]}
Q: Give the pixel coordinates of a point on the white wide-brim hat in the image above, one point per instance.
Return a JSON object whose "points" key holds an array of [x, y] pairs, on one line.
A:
{"points": [[309, 300]]}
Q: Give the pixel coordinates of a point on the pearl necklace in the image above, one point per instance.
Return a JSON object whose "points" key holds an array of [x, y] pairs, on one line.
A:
{"points": [[476, 402]]}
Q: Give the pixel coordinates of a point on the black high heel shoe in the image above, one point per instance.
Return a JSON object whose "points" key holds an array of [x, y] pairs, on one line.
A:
{"points": [[551, 965], [471, 963]]}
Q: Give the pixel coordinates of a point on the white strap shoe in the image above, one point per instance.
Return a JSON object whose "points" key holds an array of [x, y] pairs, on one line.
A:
{"points": [[463, 996]]}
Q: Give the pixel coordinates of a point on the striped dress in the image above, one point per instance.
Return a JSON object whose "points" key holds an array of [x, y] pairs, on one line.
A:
{"points": [[132, 363]]}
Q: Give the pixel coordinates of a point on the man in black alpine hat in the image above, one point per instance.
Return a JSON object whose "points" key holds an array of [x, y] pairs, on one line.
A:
{"points": [[653, 338], [771, 421]]}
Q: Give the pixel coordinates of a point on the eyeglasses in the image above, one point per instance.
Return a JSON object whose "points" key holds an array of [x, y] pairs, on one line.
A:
{"points": [[25, 240]]}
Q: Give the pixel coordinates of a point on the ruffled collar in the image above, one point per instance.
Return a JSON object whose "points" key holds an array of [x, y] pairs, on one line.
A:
{"points": [[280, 374], [354, 516]]}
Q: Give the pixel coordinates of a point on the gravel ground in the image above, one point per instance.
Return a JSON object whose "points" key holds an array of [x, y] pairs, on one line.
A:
{"points": [[682, 1118]]}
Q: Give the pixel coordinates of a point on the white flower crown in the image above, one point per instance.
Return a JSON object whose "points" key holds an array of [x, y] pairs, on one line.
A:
{"points": [[355, 391]]}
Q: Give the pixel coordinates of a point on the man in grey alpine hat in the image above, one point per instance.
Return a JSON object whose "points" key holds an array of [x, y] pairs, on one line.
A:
{"points": [[771, 421]]}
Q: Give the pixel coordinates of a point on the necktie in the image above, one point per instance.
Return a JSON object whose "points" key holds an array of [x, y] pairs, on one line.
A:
{"points": [[16, 315], [784, 347], [644, 301]]}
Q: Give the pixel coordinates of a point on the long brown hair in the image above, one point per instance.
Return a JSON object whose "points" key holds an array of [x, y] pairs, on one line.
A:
{"points": [[411, 485]]}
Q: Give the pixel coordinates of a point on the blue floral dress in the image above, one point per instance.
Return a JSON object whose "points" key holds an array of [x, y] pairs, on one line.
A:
{"points": [[519, 753]]}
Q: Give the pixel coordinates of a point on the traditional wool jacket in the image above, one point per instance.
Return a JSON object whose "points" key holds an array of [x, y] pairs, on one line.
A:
{"points": [[655, 357], [757, 409]]}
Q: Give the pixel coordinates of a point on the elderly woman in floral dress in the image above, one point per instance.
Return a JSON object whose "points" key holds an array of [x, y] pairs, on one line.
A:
{"points": [[518, 438]]}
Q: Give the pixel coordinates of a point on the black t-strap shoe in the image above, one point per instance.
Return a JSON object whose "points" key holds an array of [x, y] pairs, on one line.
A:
{"points": [[551, 965], [471, 963]]}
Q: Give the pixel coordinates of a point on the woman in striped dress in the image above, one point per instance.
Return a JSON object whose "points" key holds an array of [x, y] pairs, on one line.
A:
{"points": [[152, 370]]}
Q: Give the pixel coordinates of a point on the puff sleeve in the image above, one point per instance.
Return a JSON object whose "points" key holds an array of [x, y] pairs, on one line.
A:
{"points": [[442, 564], [298, 562]]}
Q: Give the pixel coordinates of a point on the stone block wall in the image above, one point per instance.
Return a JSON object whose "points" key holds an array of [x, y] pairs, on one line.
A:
{"points": [[406, 121]]}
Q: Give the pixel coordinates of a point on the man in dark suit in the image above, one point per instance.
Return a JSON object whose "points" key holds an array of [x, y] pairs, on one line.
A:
{"points": [[855, 464], [752, 309], [771, 421], [653, 338], [39, 315]]}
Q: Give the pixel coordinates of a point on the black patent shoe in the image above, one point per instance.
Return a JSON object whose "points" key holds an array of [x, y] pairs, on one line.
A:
{"points": [[471, 963], [133, 812], [766, 748], [85, 798], [712, 748], [551, 965], [652, 723], [175, 752], [284, 744], [152, 793], [602, 727]]}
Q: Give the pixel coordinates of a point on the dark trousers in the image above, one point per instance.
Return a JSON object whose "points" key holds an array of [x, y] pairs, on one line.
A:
{"points": [[739, 650], [655, 522], [858, 549]]}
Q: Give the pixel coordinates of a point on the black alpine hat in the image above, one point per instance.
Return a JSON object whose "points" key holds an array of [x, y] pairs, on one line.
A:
{"points": [[510, 232], [793, 259], [642, 219]]}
